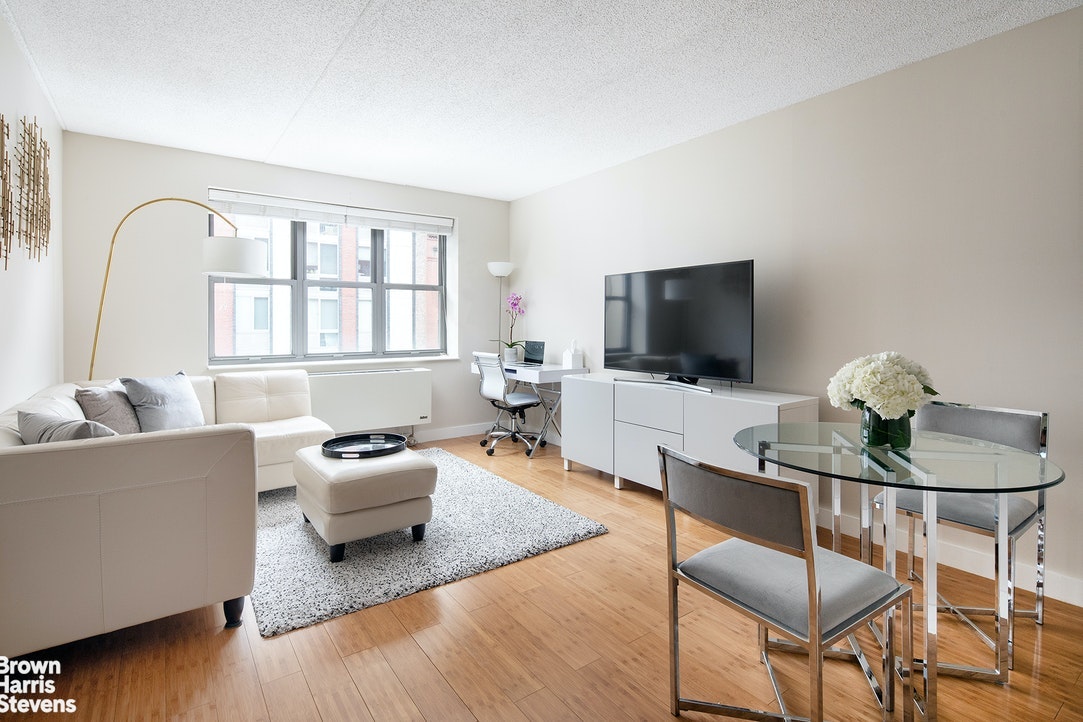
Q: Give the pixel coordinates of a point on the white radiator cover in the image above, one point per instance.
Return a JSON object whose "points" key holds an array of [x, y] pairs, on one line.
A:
{"points": [[366, 400]]}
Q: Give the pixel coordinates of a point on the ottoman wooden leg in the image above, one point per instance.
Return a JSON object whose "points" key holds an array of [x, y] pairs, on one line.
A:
{"points": [[419, 531], [337, 552]]}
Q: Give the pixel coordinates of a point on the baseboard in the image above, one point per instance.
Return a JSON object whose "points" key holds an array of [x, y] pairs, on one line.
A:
{"points": [[955, 553], [453, 432]]}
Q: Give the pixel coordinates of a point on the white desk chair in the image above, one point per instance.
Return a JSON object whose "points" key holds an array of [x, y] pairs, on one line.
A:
{"points": [[511, 405]]}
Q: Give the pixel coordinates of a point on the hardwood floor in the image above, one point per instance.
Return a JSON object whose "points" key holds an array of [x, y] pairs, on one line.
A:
{"points": [[574, 634]]}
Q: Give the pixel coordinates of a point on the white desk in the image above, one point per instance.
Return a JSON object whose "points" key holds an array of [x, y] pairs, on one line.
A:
{"points": [[539, 373], [535, 375]]}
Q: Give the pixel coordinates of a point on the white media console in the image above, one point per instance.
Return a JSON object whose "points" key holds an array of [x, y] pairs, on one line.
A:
{"points": [[615, 424]]}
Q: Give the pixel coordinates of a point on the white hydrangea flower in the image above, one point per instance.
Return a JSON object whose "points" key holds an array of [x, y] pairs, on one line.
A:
{"points": [[888, 383]]}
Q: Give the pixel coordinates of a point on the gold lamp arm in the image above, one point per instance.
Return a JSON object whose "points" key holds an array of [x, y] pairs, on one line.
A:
{"points": [[109, 264]]}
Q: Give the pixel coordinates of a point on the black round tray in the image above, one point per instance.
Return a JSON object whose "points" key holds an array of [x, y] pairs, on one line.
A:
{"points": [[360, 446]]}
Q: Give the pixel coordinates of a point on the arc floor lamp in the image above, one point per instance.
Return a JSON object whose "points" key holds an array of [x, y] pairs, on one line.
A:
{"points": [[222, 256]]}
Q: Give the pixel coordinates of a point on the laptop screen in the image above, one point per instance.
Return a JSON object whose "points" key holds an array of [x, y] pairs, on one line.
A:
{"points": [[533, 352]]}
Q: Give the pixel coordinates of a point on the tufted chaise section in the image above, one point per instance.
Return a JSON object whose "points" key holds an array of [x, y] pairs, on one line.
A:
{"points": [[277, 405]]}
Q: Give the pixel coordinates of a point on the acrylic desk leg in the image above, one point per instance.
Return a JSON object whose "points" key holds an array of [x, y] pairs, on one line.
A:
{"points": [[931, 602], [1003, 609], [836, 506]]}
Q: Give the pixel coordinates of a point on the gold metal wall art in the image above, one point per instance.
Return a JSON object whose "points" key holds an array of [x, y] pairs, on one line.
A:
{"points": [[7, 205], [34, 207]]}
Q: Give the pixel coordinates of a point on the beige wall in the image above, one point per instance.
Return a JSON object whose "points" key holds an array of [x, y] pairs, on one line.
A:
{"points": [[31, 291], [156, 311], [935, 211]]}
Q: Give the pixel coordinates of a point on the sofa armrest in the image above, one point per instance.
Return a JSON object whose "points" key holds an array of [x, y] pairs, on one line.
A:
{"points": [[100, 534]]}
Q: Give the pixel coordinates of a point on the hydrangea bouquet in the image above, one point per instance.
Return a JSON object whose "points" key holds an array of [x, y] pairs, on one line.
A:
{"points": [[887, 387]]}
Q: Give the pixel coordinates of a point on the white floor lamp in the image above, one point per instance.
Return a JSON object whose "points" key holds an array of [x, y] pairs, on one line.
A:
{"points": [[500, 269], [222, 256]]}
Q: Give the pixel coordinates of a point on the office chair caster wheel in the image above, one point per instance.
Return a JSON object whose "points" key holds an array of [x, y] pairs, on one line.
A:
{"points": [[489, 452], [484, 442], [542, 443]]}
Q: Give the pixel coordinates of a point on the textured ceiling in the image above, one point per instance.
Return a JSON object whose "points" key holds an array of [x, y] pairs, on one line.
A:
{"points": [[486, 97]]}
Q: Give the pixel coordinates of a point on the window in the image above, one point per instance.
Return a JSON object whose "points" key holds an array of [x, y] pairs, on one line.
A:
{"points": [[353, 283]]}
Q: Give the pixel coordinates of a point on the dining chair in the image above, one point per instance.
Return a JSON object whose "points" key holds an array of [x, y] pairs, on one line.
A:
{"points": [[973, 512], [772, 571], [511, 405]]}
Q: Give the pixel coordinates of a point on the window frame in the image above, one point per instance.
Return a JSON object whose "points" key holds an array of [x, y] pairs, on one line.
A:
{"points": [[300, 285]]}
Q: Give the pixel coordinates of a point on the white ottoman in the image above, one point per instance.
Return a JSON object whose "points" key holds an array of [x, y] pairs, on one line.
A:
{"points": [[349, 499]]}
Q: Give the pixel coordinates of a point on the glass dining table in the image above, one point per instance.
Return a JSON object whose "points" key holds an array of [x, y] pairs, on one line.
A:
{"points": [[935, 463]]}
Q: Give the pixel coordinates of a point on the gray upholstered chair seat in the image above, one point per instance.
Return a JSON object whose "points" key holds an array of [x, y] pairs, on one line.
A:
{"points": [[764, 580], [973, 510]]}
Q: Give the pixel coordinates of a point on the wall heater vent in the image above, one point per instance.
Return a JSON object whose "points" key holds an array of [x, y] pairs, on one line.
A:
{"points": [[352, 401]]}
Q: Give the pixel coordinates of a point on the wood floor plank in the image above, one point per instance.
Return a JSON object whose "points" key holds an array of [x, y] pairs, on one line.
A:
{"points": [[289, 699], [384, 695], [466, 675]]}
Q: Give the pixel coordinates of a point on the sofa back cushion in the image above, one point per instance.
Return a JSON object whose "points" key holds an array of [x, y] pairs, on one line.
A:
{"points": [[255, 396], [204, 388]]}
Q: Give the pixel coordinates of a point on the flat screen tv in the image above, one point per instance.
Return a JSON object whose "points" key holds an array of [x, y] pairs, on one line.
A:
{"points": [[688, 323]]}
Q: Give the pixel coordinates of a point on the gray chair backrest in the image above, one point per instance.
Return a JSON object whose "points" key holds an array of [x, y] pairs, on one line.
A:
{"points": [[765, 510], [1024, 430], [494, 383]]}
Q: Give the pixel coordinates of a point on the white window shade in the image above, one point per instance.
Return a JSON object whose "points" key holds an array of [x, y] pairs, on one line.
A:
{"points": [[257, 204]]}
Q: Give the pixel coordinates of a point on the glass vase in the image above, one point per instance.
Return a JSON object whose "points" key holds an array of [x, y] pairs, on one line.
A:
{"points": [[878, 431]]}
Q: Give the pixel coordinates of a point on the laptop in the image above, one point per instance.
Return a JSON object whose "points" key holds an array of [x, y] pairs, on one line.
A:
{"points": [[533, 352]]}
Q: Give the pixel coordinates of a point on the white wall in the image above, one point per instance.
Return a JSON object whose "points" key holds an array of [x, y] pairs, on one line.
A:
{"points": [[155, 317], [31, 292], [935, 211]]}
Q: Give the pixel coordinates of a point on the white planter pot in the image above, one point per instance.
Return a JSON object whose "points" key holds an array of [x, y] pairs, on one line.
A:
{"points": [[511, 355]]}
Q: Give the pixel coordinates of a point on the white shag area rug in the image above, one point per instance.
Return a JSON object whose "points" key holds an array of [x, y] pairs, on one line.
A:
{"points": [[480, 521]]}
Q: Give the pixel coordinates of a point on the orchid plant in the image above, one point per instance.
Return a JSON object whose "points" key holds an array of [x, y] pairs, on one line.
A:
{"points": [[514, 310], [888, 383]]}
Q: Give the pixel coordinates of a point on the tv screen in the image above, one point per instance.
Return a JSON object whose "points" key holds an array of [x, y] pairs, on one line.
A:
{"points": [[687, 323]]}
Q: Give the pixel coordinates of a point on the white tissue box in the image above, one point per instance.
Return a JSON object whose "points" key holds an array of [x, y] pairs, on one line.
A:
{"points": [[573, 359]]}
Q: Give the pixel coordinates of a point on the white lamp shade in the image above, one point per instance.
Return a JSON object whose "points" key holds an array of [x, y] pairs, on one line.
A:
{"points": [[500, 269], [230, 256]]}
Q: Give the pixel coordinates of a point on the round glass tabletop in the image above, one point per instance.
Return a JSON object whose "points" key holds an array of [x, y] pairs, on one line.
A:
{"points": [[935, 460]]}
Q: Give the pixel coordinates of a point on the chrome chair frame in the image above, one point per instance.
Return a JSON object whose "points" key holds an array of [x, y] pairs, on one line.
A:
{"points": [[1014, 425], [774, 514], [511, 405]]}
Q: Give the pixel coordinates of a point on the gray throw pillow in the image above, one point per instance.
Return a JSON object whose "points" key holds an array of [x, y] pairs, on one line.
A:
{"points": [[164, 402], [42, 428], [109, 405]]}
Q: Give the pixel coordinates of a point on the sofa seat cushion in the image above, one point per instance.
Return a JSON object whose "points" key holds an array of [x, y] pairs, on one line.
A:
{"points": [[277, 441]]}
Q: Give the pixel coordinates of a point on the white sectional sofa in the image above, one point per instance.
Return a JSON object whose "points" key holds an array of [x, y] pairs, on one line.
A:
{"points": [[97, 534]]}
